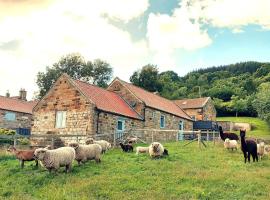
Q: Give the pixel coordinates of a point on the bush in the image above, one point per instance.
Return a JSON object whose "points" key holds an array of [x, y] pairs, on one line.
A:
{"points": [[23, 141], [7, 132]]}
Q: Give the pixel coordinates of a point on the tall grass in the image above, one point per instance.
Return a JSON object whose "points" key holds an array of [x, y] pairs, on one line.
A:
{"points": [[188, 172]]}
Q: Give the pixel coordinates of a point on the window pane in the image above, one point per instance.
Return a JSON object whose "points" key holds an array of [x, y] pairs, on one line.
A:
{"points": [[60, 119], [120, 125], [10, 116], [162, 121]]}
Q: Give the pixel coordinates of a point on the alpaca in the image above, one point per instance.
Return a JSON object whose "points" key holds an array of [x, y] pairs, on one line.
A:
{"points": [[231, 136], [248, 147]]}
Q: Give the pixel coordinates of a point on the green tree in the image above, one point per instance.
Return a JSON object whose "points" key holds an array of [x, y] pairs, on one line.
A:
{"points": [[147, 78], [97, 72], [262, 102], [238, 105]]}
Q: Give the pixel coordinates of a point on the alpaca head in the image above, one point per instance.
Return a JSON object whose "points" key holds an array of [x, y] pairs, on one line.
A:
{"points": [[220, 128], [242, 132]]}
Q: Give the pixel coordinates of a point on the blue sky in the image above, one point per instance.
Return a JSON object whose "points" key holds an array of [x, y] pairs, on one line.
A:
{"points": [[179, 35]]}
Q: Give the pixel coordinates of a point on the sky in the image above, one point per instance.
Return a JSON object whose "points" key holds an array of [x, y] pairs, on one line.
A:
{"points": [[178, 35]]}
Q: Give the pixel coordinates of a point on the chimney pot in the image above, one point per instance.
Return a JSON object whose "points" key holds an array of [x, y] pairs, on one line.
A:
{"points": [[22, 94], [7, 94]]}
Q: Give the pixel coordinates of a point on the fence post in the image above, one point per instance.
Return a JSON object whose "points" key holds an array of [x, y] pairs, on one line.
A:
{"points": [[152, 136], [52, 142], [199, 138], [207, 136], [114, 139], [15, 141], [214, 135]]}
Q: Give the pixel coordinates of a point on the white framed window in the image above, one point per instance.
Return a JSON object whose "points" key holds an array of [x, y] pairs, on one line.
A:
{"points": [[162, 121], [120, 125], [60, 119], [10, 116]]}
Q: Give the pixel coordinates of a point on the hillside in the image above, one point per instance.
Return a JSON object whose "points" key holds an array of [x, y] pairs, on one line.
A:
{"points": [[188, 173], [237, 89]]}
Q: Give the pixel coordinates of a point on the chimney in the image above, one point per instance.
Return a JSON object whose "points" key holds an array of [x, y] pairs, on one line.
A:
{"points": [[22, 94], [7, 94]]}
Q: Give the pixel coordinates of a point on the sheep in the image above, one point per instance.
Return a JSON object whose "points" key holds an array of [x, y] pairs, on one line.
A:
{"points": [[156, 149], [231, 136], [249, 147], [132, 140], [23, 155], [267, 149], [142, 150], [166, 152], [260, 150], [126, 147], [56, 158], [103, 143], [86, 152], [230, 144]]}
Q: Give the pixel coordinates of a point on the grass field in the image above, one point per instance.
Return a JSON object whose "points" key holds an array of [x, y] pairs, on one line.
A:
{"points": [[187, 173], [259, 127]]}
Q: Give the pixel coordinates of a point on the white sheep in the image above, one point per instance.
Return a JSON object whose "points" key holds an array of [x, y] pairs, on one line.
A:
{"points": [[156, 149], [86, 152], [142, 150], [56, 158], [103, 143], [267, 149], [260, 150], [230, 144]]}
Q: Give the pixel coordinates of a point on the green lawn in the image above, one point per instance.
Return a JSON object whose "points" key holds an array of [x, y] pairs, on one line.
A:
{"points": [[259, 127], [188, 173]]}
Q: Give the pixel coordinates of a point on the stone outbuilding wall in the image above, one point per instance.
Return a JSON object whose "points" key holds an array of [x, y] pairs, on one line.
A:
{"points": [[22, 120]]}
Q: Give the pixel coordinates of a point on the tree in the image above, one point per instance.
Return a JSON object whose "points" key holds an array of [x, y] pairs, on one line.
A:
{"points": [[98, 72], [147, 78], [262, 102], [238, 105]]}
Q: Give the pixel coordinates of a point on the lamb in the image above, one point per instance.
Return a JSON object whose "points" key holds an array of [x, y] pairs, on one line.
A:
{"points": [[132, 140], [103, 143], [126, 147], [56, 158], [248, 147], [156, 150], [142, 150], [260, 150], [86, 152], [230, 144], [23, 155], [231, 136], [267, 149]]}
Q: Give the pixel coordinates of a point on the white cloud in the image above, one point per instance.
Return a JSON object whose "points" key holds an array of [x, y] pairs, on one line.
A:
{"points": [[38, 37], [231, 13]]}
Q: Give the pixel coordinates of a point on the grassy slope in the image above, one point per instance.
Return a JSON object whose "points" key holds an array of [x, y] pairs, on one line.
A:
{"points": [[259, 127], [188, 173]]}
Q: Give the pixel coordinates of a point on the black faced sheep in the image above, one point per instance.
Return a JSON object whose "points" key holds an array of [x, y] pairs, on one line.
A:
{"points": [[231, 136], [248, 147], [156, 150], [56, 158], [86, 152], [23, 155], [126, 147]]}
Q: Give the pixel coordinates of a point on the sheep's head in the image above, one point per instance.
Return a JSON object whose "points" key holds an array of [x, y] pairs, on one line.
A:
{"points": [[11, 149], [40, 153], [109, 146], [74, 145], [155, 147], [227, 140], [242, 132], [89, 141]]}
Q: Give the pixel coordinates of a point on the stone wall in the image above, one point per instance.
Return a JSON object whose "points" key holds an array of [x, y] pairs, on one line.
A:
{"points": [[132, 100], [234, 126], [22, 120], [196, 113], [152, 120], [64, 97], [209, 111]]}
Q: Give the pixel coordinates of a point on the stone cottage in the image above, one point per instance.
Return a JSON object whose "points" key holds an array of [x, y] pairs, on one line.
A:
{"points": [[200, 109], [16, 112], [76, 107]]}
